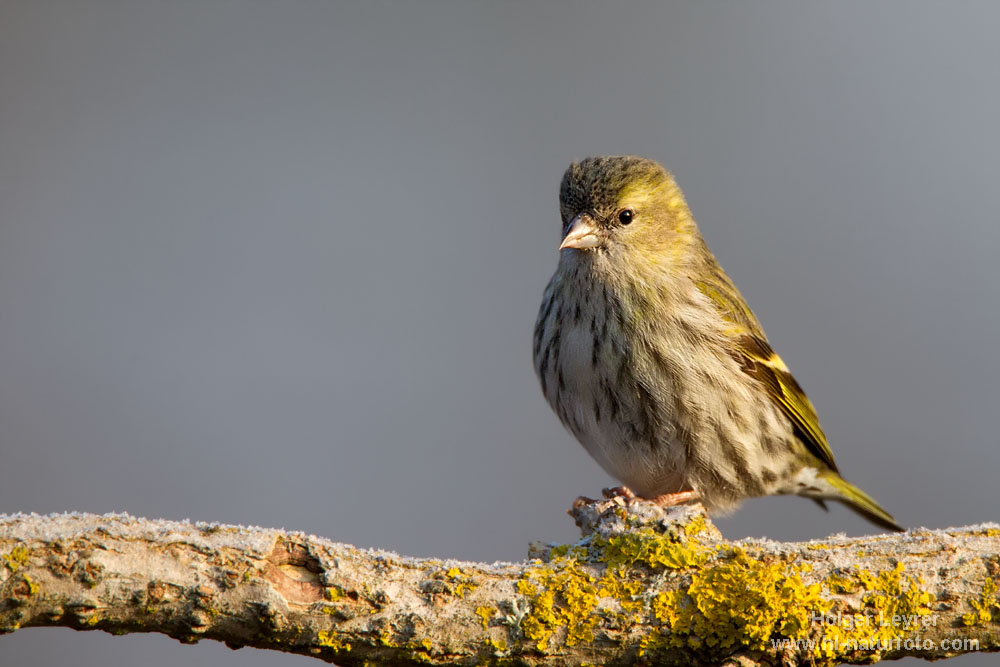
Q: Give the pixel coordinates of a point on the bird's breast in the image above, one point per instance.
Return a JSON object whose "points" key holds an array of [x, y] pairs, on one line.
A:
{"points": [[596, 375]]}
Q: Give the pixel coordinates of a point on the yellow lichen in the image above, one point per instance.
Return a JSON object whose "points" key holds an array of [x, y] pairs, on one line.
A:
{"points": [[462, 581], [566, 594], [562, 595], [731, 599], [987, 608], [17, 557], [498, 645], [652, 549], [420, 650], [559, 551], [838, 584], [485, 614], [893, 606], [738, 601], [330, 640], [568, 551], [616, 584], [695, 526]]}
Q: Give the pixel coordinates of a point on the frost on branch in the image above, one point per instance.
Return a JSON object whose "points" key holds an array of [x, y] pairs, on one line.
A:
{"points": [[643, 586]]}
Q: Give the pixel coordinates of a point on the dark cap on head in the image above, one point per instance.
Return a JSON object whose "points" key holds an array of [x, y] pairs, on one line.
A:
{"points": [[595, 183]]}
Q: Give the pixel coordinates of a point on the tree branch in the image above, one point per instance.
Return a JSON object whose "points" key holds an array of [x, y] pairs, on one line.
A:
{"points": [[644, 586]]}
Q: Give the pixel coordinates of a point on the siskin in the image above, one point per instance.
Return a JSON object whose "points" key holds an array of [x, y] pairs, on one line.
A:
{"points": [[652, 359]]}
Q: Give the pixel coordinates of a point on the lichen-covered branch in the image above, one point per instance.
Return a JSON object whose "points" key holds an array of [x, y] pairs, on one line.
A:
{"points": [[644, 586]]}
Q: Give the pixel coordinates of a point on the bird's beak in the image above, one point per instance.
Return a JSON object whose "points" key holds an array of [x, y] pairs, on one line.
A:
{"points": [[582, 234]]}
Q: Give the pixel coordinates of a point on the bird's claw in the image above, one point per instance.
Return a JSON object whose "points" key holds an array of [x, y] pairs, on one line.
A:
{"points": [[619, 492], [631, 500], [623, 492]]}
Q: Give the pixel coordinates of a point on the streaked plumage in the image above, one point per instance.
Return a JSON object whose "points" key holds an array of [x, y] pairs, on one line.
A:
{"points": [[652, 359]]}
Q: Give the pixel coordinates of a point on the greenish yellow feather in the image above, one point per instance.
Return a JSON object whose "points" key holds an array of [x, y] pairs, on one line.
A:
{"points": [[862, 502], [762, 363]]}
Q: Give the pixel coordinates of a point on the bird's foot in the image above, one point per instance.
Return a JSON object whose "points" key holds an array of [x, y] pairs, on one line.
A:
{"points": [[671, 499], [631, 499], [620, 492], [662, 500]]}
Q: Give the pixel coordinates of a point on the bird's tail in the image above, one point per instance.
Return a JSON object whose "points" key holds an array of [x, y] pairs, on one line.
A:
{"points": [[859, 501]]}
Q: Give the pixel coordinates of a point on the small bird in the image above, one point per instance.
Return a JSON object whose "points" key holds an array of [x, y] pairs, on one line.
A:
{"points": [[652, 359]]}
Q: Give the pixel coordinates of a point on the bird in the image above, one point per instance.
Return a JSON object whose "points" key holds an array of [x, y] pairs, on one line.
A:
{"points": [[652, 359]]}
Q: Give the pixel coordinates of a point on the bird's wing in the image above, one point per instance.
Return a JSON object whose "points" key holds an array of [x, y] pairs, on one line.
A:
{"points": [[760, 362]]}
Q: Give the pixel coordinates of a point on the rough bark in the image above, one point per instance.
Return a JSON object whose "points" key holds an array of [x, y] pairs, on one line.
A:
{"points": [[644, 586]]}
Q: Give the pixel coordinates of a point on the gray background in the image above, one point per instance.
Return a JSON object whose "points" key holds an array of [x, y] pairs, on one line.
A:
{"points": [[278, 263]]}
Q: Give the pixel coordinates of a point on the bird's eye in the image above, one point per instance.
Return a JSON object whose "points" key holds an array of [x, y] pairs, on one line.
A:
{"points": [[625, 216]]}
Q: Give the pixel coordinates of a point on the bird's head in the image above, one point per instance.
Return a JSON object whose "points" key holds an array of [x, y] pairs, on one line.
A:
{"points": [[621, 203]]}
